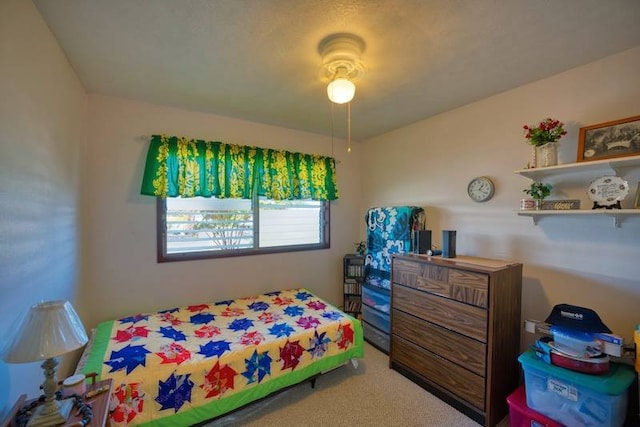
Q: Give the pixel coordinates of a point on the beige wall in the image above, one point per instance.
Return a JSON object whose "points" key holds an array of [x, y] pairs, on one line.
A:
{"points": [[122, 276], [581, 261], [42, 119]]}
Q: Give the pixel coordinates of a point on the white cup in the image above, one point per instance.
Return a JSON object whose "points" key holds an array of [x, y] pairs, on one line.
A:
{"points": [[75, 384]]}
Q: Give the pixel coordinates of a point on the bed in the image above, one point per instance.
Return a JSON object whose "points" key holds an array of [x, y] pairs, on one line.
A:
{"points": [[186, 365]]}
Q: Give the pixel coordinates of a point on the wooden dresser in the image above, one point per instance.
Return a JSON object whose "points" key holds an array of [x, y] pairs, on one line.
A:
{"points": [[455, 330]]}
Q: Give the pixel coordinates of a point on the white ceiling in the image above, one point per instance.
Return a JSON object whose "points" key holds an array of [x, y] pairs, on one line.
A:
{"points": [[258, 59]]}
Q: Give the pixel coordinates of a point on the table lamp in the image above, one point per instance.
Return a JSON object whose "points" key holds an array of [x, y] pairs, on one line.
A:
{"points": [[49, 330]]}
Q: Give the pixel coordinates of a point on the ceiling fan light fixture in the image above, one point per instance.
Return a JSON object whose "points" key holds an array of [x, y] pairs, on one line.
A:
{"points": [[341, 90], [341, 66]]}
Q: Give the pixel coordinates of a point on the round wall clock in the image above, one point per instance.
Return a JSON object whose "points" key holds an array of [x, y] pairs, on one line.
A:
{"points": [[480, 189]]}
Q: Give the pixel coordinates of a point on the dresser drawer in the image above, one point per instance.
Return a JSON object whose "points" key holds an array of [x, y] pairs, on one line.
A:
{"points": [[405, 272], [455, 379], [462, 318], [469, 287], [457, 348], [461, 285]]}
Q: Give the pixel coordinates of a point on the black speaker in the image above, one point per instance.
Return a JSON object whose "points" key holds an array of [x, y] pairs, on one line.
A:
{"points": [[422, 241], [448, 243]]}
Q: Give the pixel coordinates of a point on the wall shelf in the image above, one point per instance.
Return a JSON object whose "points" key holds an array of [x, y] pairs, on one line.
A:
{"points": [[614, 166], [617, 214]]}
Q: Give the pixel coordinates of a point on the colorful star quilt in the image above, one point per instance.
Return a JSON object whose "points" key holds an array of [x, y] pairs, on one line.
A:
{"points": [[187, 365]]}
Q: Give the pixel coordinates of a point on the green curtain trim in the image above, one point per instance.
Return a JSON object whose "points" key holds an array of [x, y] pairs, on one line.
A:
{"points": [[184, 167], [219, 407]]}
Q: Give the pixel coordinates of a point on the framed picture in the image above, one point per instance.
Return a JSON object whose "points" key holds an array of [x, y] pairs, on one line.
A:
{"points": [[636, 203], [618, 138]]}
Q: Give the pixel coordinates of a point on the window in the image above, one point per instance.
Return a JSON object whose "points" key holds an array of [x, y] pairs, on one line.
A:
{"points": [[199, 227], [220, 200]]}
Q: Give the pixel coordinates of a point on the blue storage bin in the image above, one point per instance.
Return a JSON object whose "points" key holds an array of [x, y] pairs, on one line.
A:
{"points": [[376, 318], [377, 298], [576, 399]]}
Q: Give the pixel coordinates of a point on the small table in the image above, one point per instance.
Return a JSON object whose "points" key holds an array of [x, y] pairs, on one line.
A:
{"points": [[99, 406]]}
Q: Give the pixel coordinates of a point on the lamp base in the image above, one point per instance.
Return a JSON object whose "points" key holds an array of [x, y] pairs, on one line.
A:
{"points": [[38, 419]]}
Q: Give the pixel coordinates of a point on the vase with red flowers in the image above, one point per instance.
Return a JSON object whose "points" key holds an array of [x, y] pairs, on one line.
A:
{"points": [[544, 138]]}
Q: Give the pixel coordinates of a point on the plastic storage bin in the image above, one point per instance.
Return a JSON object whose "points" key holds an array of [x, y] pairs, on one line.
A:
{"points": [[378, 319], [376, 337], [520, 415], [377, 298], [573, 398]]}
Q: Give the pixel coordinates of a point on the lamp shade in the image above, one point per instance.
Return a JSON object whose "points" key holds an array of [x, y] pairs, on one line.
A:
{"points": [[50, 329], [341, 90]]}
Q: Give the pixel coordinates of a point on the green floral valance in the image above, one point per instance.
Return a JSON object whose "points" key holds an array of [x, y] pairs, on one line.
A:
{"points": [[188, 168]]}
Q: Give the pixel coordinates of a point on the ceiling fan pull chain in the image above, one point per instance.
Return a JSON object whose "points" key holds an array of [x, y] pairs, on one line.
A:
{"points": [[349, 127], [332, 107]]}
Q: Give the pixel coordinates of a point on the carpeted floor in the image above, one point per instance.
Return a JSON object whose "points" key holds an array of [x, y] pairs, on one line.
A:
{"points": [[369, 395]]}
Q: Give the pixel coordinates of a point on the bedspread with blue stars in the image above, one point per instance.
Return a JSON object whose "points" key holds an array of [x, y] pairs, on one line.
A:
{"points": [[186, 365]]}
